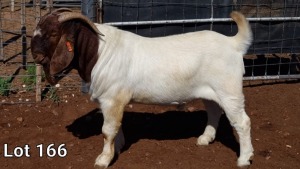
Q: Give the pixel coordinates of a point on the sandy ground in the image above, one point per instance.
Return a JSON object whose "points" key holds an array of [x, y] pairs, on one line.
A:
{"points": [[156, 136]]}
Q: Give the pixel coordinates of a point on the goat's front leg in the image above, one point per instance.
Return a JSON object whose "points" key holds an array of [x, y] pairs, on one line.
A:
{"points": [[112, 110]]}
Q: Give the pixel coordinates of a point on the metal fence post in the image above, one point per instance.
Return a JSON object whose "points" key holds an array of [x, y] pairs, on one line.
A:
{"points": [[23, 33], [99, 12], [88, 9], [1, 35]]}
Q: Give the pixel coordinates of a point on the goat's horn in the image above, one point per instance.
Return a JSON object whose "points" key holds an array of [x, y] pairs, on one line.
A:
{"points": [[62, 10], [66, 16], [55, 11]]}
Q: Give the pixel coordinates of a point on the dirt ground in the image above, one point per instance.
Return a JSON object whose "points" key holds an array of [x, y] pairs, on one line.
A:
{"points": [[153, 139]]}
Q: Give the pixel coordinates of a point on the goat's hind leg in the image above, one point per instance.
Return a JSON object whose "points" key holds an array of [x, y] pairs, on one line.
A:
{"points": [[235, 112], [213, 116]]}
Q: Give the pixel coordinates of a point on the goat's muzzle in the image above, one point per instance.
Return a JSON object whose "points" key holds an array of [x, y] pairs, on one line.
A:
{"points": [[40, 58]]}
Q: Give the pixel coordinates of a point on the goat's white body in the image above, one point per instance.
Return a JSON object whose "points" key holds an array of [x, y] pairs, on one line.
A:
{"points": [[170, 69], [163, 70]]}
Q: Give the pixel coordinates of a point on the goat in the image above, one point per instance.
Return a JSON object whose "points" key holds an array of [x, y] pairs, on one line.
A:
{"points": [[122, 67]]}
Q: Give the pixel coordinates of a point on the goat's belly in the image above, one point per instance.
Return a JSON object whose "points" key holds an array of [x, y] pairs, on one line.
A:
{"points": [[159, 100], [162, 97], [174, 95]]}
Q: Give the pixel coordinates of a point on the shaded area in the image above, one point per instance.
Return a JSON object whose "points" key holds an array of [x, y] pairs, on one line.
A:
{"points": [[87, 125], [261, 65], [171, 125]]}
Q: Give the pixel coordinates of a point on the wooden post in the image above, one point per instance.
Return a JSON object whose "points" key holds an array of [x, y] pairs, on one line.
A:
{"points": [[38, 95], [37, 8], [38, 87], [1, 35], [12, 5], [49, 5]]}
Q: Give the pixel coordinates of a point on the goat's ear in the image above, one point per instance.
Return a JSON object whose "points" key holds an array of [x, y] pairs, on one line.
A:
{"points": [[63, 55]]}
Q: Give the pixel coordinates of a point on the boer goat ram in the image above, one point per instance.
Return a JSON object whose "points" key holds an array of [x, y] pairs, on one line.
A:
{"points": [[122, 67]]}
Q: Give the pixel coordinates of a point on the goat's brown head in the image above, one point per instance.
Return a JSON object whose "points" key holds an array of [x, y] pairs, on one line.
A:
{"points": [[53, 42]]}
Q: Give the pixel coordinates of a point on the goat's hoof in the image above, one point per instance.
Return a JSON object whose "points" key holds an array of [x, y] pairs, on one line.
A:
{"points": [[244, 166], [245, 163], [99, 167], [102, 161], [203, 140]]}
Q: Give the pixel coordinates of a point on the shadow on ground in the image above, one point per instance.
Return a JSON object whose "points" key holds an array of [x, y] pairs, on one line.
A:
{"points": [[171, 125]]}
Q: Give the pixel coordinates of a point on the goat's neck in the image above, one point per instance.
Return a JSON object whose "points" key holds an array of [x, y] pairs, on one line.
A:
{"points": [[86, 46]]}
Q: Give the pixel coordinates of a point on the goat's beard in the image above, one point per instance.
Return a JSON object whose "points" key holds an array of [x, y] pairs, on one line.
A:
{"points": [[54, 79]]}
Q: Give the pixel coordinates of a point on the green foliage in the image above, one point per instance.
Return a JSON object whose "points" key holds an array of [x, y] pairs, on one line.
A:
{"points": [[53, 95], [5, 86], [30, 79]]}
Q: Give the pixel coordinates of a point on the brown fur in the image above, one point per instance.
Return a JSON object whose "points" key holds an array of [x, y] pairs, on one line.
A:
{"points": [[64, 46]]}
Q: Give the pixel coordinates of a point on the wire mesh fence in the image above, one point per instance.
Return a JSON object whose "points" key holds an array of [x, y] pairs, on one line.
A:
{"points": [[273, 55], [18, 75], [275, 24]]}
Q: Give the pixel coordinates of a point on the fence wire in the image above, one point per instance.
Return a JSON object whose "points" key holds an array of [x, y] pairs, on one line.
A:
{"points": [[275, 53], [18, 19]]}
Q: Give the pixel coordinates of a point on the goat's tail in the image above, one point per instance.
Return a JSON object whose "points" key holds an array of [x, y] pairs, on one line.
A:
{"points": [[244, 35]]}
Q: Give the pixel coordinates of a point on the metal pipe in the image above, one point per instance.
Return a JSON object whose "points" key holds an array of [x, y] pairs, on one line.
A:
{"points": [[274, 77], [182, 21]]}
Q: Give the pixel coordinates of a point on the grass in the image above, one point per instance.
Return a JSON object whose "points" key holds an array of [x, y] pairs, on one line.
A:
{"points": [[30, 78], [50, 92], [53, 95], [5, 86]]}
